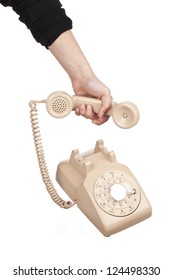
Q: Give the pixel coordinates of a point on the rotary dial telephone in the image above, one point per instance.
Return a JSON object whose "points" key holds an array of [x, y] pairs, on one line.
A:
{"points": [[103, 189]]}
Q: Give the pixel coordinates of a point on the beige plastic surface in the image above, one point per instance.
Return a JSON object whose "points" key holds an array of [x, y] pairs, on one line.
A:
{"points": [[59, 104], [41, 157], [89, 179]]}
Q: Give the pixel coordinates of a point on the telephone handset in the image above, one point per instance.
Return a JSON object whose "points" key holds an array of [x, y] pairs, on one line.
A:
{"points": [[59, 104], [91, 179]]}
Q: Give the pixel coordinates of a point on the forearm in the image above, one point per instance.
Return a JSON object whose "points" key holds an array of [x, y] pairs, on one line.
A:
{"points": [[68, 53]]}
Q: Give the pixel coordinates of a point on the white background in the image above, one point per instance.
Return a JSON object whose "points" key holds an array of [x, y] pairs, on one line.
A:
{"points": [[129, 45]]}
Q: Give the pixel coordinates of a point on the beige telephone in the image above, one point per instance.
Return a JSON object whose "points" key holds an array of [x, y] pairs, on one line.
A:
{"points": [[103, 189]]}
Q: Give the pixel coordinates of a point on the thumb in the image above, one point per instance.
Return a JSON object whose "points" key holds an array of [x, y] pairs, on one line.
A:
{"points": [[105, 105]]}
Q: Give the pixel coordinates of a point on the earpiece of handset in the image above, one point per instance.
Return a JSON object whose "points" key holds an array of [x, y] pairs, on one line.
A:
{"points": [[59, 104], [125, 114]]}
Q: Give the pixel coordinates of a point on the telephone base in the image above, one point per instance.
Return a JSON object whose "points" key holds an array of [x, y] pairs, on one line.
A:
{"points": [[89, 178]]}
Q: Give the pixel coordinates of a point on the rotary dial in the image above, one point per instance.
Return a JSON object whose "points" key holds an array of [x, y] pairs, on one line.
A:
{"points": [[105, 198]]}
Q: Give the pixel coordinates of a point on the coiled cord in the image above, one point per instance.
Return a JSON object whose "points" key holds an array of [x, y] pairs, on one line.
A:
{"points": [[41, 158]]}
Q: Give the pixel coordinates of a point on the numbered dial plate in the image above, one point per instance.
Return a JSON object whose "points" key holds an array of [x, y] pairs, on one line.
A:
{"points": [[107, 202]]}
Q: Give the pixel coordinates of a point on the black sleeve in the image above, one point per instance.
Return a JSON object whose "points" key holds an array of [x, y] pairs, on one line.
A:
{"points": [[46, 19]]}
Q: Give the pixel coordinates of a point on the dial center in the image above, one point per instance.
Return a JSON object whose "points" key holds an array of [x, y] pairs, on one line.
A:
{"points": [[118, 192]]}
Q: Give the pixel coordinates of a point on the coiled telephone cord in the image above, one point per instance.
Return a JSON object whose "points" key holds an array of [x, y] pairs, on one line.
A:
{"points": [[41, 158]]}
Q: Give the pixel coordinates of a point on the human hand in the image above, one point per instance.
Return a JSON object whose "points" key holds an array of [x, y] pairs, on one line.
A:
{"points": [[92, 87]]}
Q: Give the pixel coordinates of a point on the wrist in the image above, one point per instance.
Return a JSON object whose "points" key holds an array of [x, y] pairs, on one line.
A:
{"points": [[81, 72]]}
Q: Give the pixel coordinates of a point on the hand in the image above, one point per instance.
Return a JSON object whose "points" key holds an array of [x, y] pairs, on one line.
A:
{"points": [[93, 87]]}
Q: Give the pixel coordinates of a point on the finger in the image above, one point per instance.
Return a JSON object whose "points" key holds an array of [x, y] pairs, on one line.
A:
{"points": [[99, 121], [77, 112], [89, 114], [105, 104], [82, 109]]}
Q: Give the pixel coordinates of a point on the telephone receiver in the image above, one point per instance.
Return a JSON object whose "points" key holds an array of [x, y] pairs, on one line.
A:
{"points": [[59, 104]]}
